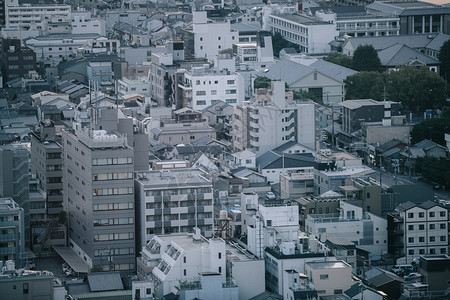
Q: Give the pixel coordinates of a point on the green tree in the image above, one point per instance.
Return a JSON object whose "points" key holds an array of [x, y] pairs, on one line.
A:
{"points": [[304, 95], [262, 82], [365, 85], [444, 58], [431, 129], [366, 58], [339, 59], [417, 88], [434, 169]]}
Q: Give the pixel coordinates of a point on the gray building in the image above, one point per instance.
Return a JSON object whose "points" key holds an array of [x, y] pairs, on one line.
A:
{"points": [[99, 197], [46, 163], [14, 181], [12, 238], [356, 112], [173, 201]]}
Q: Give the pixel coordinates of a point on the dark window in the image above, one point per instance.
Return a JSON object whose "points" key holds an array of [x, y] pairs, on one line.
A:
{"points": [[25, 288]]}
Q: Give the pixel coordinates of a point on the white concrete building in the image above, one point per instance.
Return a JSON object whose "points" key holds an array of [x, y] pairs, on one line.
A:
{"points": [[25, 21], [168, 260], [52, 49], [188, 202], [82, 22], [418, 229], [365, 229], [273, 124], [327, 180], [267, 224], [311, 35], [361, 25], [257, 56], [139, 85], [329, 277], [206, 38], [203, 86]]}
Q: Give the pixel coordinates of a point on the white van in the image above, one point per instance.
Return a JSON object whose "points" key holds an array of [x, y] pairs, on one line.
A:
{"points": [[401, 268]]}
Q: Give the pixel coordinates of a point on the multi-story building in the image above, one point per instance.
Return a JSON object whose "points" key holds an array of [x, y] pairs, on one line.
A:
{"points": [[311, 35], [237, 127], [416, 17], [47, 164], [99, 197], [356, 112], [205, 38], [17, 61], [82, 22], [14, 181], [25, 21], [434, 269], [295, 185], [188, 202], [278, 121], [359, 23], [418, 229], [203, 86], [366, 230], [257, 55], [282, 259], [169, 261], [12, 227], [52, 49]]}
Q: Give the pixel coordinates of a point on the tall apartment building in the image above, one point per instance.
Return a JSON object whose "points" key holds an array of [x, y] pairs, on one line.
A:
{"points": [[12, 226], [173, 201], [311, 35], [47, 164], [25, 21], [99, 197], [14, 181], [205, 38], [418, 229], [278, 121]]}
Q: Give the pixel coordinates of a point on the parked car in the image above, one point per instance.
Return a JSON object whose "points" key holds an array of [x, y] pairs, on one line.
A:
{"points": [[270, 196], [402, 270], [411, 276]]}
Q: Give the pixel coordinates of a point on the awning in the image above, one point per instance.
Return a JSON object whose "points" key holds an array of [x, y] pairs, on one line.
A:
{"points": [[72, 259]]}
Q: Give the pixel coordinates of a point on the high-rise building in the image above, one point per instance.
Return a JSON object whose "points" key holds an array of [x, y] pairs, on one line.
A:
{"points": [[12, 239], [99, 197]]}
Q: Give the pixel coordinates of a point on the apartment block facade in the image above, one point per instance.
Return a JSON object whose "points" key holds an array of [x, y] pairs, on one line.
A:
{"points": [[173, 201], [12, 239], [99, 198], [418, 229]]}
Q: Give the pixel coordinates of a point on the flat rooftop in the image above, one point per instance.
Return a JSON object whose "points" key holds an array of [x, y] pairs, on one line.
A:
{"points": [[328, 264]]}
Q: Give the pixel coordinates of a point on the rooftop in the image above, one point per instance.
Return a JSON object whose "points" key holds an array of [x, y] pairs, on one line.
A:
{"points": [[328, 265], [182, 178]]}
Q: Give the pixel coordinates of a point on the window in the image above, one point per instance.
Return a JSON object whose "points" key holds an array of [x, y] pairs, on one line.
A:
{"points": [[184, 272], [200, 93], [432, 251], [220, 269], [323, 276], [432, 226], [410, 215], [25, 288], [421, 214], [442, 214], [421, 239], [410, 227], [230, 81], [411, 240], [421, 227], [443, 238], [432, 238], [220, 255], [411, 252], [421, 251], [337, 292], [442, 226], [432, 214]]}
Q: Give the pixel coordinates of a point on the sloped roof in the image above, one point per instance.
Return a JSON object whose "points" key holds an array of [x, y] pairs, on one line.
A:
{"points": [[405, 206], [332, 70], [287, 71], [273, 160], [384, 278], [401, 55], [99, 282], [427, 145], [429, 204], [285, 146]]}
